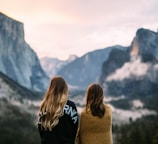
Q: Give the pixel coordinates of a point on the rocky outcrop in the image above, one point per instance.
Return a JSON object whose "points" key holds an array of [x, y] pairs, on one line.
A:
{"points": [[17, 60], [117, 58], [145, 45], [133, 73]]}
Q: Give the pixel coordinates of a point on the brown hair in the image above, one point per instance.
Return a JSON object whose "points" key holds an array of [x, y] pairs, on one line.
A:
{"points": [[94, 100], [53, 103]]}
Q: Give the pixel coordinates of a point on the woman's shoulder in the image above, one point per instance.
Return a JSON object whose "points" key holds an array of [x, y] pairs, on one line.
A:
{"points": [[83, 111], [70, 103], [71, 111], [107, 106]]}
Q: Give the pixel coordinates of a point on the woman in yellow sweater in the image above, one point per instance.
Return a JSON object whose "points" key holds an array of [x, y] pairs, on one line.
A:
{"points": [[95, 119]]}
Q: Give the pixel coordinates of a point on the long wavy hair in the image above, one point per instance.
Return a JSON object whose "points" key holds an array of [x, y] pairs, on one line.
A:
{"points": [[53, 103], [94, 100]]}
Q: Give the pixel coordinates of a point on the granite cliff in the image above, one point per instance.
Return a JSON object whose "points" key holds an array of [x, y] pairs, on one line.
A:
{"points": [[17, 59], [134, 73]]}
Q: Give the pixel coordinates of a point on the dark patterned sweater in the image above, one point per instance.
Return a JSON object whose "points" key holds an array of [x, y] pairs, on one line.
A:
{"points": [[65, 131]]}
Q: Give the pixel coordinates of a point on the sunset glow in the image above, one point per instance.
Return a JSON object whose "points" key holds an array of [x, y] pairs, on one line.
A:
{"points": [[59, 28]]}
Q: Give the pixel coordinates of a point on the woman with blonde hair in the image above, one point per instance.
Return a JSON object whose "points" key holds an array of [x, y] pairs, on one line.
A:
{"points": [[58, 116], [95, 119]]}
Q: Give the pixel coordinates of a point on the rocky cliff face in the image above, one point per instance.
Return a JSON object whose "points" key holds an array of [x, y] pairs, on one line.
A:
{"points": [[145, 45], [117, 58], [135, 72], [17, 60]]}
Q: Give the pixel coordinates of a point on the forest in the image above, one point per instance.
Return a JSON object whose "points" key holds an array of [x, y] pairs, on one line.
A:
{"points": [[141, 131], [20, 128]]}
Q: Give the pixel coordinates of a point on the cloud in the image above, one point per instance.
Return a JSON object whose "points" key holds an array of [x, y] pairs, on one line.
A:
{"points": [[135, 69]]}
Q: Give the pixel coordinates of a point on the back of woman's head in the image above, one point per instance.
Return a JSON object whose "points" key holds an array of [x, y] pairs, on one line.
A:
{"points": [[57, 87], [53, 102], [94, 100]]}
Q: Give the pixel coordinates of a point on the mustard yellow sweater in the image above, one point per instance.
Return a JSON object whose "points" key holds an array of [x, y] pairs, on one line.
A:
{"points": [[95, 130]]}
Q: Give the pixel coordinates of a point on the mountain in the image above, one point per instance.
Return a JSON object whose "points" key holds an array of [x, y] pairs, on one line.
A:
{"points": [[17, 60], [146, 41], [116, 59], [129, 76], [137, 76], [11, 88], [86, 69], [52, 65]]}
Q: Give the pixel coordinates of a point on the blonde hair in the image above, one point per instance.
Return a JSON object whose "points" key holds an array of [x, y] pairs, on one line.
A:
{"points": [[51, 108]]}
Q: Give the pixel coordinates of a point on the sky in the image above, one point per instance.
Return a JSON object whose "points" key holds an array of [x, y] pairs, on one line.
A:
{"points": [[60, 28]]}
